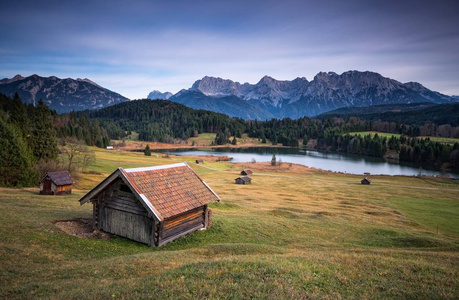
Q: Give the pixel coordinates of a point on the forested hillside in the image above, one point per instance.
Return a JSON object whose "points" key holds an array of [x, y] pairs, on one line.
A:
{"points": [[27, 137], [412, 114], [30, 135], [162, 120]]}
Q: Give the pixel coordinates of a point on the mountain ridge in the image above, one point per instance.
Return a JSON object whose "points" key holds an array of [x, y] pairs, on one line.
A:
{"points": [[63, 95], [300, 97]]}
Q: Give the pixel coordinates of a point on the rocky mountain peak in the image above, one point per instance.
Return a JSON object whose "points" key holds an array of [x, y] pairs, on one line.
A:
{"points": [[327, 91], [155, 94], [63, 95]]}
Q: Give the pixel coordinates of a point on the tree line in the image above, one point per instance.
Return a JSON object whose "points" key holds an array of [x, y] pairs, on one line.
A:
{"points": [[30, 137], [30, 134], [166, 121], [27, 137]]}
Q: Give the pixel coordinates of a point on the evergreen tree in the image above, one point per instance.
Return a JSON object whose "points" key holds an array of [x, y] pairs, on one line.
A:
{"points": [[273, 160], [43, 134], [305, 140], [18, 115], [16, 159], [147, 150], [234, 141]]}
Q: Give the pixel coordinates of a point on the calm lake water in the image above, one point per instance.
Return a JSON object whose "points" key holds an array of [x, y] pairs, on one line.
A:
{"points": [[336, 162]]}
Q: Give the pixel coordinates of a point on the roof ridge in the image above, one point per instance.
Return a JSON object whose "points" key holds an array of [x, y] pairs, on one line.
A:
{"points": [[144, 169]]}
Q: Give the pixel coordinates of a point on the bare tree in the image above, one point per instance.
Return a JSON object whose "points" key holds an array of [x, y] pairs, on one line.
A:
{"points": [[79, 157]]}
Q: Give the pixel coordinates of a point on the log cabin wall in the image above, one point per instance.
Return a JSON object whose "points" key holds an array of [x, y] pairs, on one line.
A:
{"points": [[182, 224], [63, 189], [118, 211]]}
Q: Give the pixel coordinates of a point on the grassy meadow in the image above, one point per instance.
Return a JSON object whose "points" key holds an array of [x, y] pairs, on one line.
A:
{"points": [[371, 133], [442, 140], [289, 235]]}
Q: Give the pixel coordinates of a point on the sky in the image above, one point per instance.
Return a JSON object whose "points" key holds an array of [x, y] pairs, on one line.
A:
{"points": [[134, 47]]}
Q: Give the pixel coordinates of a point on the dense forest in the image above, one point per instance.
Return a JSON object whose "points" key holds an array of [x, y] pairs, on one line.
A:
{"points": [[30, 135], [27, 137], [413, 114], [166, 121], [162, 120]]}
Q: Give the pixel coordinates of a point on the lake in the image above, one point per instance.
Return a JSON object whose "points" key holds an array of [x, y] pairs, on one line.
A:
{"points": [[336, 162]]}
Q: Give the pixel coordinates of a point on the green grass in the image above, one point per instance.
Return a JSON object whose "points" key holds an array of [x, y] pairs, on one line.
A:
{"points": [[426, 211], [308, 234], [134, 136], [206, 139], [442, 140], [381, 134], [203, 139]]}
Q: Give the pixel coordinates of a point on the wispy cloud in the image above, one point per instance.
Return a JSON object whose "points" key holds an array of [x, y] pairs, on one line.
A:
{"points": [[133, 49]]}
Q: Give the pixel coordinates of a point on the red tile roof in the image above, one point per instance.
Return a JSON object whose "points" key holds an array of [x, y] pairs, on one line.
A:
{"points": [[171, 189], [166, 190]]}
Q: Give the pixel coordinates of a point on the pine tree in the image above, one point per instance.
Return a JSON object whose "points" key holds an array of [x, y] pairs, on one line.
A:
{"points": [[16, 159], [43, 134], [234, 141], [18, 115], [273, 160], [147, 150]]}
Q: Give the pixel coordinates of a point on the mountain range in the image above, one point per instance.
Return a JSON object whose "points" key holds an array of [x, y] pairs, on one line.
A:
{"points": [[267, 99], [297, 98], [63, 95]]}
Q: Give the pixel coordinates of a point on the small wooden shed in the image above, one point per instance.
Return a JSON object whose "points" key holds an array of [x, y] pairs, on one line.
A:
{"points": [[153, 205], [56, 183], [243, 180], [199, 161], [246, 172], [366, 180]]}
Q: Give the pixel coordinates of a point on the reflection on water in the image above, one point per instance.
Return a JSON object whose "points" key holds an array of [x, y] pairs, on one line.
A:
{"points": [[337, 162]]}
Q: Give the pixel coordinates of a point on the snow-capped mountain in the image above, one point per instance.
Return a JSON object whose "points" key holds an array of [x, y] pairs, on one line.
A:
{"points": [[158, 95], [327, 91], [63, 95]]}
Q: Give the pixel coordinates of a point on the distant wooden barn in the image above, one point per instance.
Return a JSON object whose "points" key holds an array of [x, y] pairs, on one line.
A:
{"points": [[246, 172], [243, 180], [365, 181], [153, 205], [56, 183], [199, 161]]}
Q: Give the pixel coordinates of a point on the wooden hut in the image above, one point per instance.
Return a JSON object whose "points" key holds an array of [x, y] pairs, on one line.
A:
{"points": [[243, 180], [365, 181], [56, 183], [153, 205], [246, 172], [199, 161]]}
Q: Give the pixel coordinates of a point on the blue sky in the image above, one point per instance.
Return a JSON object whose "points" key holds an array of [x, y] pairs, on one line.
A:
{"points": [[134, 47]]}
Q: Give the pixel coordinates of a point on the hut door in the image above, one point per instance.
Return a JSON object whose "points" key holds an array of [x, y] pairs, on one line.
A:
{"points": [[47, 186]]}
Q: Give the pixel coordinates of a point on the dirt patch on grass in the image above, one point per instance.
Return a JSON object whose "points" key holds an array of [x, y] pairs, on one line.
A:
{"points": [[81, 228], [284, 167], [208, 158]]}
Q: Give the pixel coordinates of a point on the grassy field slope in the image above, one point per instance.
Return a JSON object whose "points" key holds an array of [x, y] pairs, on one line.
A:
{"points": [[294, 233]]}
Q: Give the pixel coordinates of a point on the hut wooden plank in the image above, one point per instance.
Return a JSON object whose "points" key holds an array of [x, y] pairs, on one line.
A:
{"points": [[171, 238]]}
